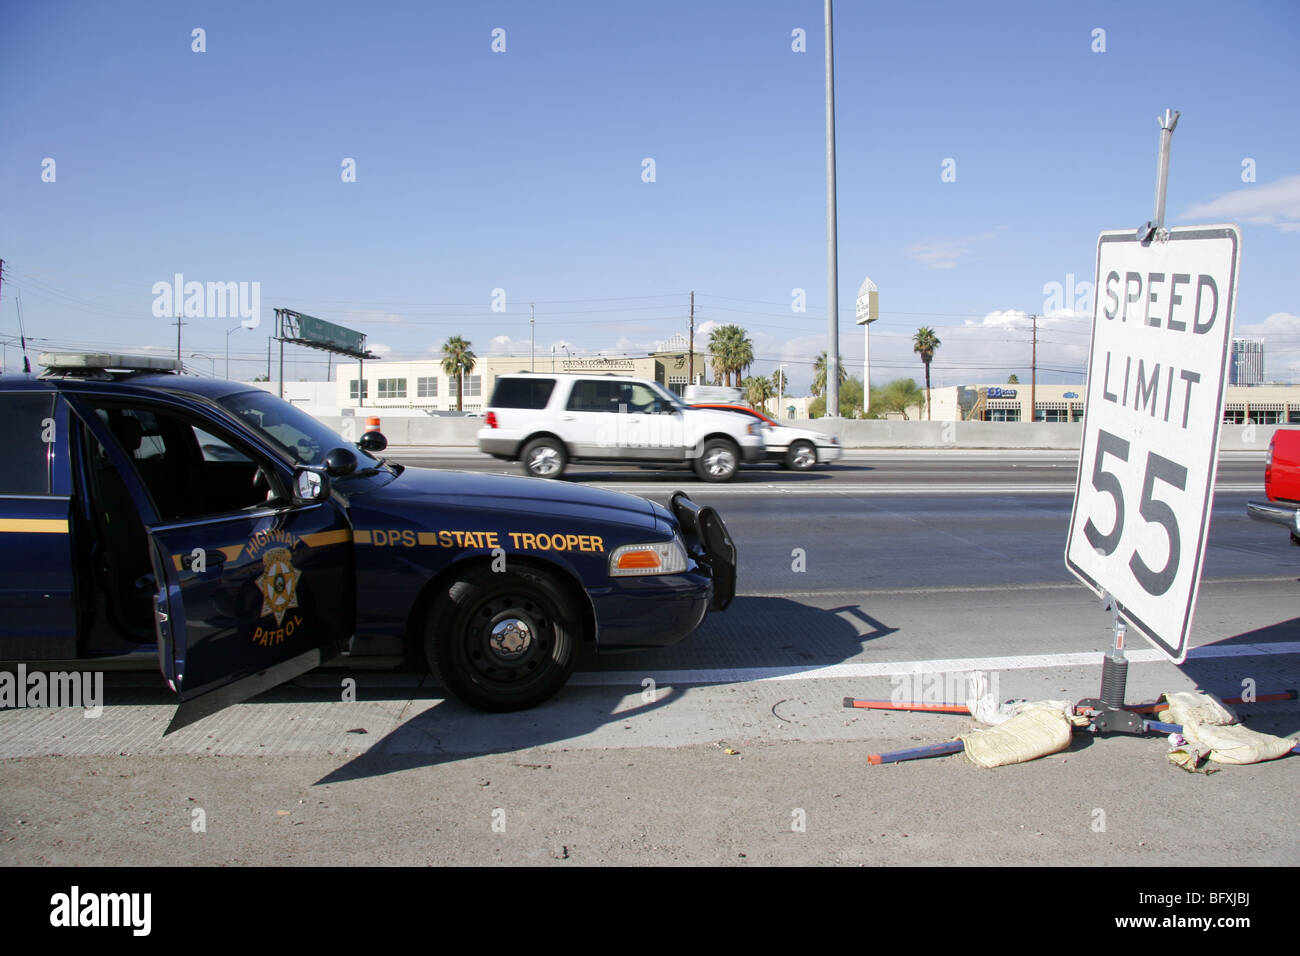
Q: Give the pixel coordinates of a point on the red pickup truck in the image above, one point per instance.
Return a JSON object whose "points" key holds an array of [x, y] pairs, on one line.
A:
{"points": [[1281, 483]]}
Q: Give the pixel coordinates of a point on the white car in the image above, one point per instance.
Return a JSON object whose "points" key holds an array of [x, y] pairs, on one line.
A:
{"points": [[547, 421], [795, 448]]}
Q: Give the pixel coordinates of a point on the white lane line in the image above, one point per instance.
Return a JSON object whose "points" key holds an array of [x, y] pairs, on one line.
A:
{"points": [[1063, 585], [951, 488], [738, 675]]}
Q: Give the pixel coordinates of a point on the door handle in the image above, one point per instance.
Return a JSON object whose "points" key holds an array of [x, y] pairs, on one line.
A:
{"points": [[213, 559]]}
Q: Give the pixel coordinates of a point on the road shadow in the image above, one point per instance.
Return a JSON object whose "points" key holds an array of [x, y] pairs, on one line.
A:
{"points": [[751, 474], [1255, 675], [779, 633]]}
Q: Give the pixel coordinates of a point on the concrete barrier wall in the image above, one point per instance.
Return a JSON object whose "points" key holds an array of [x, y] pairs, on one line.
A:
{"points": [[461, 432]]}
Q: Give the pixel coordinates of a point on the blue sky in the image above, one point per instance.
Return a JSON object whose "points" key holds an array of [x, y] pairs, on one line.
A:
{"points": [[523, 171]]}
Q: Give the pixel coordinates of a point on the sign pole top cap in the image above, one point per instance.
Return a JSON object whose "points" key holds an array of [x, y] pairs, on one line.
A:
{"points": [[868, 304]]}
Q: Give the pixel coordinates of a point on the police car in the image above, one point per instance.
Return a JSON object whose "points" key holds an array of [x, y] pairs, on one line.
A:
{"points": [[210, 523]]}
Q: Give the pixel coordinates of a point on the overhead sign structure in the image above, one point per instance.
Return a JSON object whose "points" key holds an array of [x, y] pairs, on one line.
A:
{"points": [[335, 337], [1161, 336]]}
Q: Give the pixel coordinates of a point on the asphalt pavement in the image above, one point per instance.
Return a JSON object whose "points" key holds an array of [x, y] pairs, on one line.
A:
{"points": [[733, 747]]}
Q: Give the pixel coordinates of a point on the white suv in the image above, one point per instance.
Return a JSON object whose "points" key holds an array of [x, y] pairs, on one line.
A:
{"points": [[547, 421]]}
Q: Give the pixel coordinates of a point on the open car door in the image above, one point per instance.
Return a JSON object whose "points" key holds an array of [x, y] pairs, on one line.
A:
{"points": [[237, 619], [247, 598]]}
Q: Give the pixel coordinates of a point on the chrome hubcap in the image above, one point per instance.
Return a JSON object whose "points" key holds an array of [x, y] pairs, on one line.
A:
{"points": [[719, 461], [544, 461], [511, 639], [804, 457]]}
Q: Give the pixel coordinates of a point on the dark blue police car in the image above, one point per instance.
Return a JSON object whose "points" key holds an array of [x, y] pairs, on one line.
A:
{"points": [[243, 542]]}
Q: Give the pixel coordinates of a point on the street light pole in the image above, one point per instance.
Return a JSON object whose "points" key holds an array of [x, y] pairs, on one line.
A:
{"points": [[235, 329], [832, 263]]}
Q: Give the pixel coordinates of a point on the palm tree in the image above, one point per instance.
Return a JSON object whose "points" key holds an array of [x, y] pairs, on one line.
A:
{"points": [[819, 374], [458, 361], [732, 351], [744, 354], [924, 343], [720, 351], [758, 389]]}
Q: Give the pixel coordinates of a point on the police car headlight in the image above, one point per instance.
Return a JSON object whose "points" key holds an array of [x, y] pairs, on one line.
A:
{"points": [[756, 429], [662, 557]]}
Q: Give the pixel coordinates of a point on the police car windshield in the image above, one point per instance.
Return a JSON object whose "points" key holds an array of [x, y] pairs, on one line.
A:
{"points": [[305, 440]]}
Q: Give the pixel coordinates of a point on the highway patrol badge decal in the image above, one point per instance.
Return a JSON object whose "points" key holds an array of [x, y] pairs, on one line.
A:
{"points": [[278, 584]]}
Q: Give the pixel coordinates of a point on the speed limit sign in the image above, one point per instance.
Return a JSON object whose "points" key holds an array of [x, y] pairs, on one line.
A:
{"points": [[1161, 337]]}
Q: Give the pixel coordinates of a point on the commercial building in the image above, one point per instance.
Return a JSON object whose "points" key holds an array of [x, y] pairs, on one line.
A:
{"points": [[1261, 404], [1247, 366], [423, 387]]}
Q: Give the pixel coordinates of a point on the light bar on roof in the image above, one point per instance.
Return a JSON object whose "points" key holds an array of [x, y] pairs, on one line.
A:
{"points": [[108, 361]]}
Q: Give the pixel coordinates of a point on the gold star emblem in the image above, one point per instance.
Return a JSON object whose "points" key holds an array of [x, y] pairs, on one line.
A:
{"points": [[278, 583]]}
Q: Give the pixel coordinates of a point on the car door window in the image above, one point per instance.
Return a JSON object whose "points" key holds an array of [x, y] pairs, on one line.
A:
{"points": [[640, 398], [189, 470], [26, 434], [597, 395]]}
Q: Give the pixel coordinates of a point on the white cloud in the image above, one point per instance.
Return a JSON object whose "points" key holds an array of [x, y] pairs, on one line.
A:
{"points": [[945, 253], [1272, 204], [1279, 323], [1008, 319]]}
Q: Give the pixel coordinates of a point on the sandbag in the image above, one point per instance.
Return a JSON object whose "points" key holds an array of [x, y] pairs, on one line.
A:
{"points": [[1235, 744], [1038, 730], [1195, 707]]}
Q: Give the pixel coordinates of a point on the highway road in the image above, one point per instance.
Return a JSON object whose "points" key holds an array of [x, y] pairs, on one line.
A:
{"points": [[897, 575], [883, 471]]}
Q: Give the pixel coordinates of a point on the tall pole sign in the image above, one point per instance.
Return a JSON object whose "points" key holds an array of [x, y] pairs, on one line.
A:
{"points": [[866, 311]]}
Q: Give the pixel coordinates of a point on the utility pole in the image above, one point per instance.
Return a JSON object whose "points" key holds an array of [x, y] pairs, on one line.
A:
{"points": [[279, 334], [832, 264], [1033, 373], [532, 339], [178, 336], [690, 373], [4, 350]]}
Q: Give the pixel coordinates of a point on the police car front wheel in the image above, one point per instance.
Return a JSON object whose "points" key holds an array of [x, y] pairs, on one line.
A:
{"points": [[502, 640]]}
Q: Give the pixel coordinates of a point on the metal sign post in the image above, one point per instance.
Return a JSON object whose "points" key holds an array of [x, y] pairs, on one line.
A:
{"points": [[1161, 336]]}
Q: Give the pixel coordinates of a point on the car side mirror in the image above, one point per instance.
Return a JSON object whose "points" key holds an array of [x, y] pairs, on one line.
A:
{"points": [[339, 462], [372, 441], [310, 485]]}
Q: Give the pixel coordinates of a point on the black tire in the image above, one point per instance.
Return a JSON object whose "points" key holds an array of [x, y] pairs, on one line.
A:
{"points": [[544, 458], [719, 460], [468, 637], [801, 456]]}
